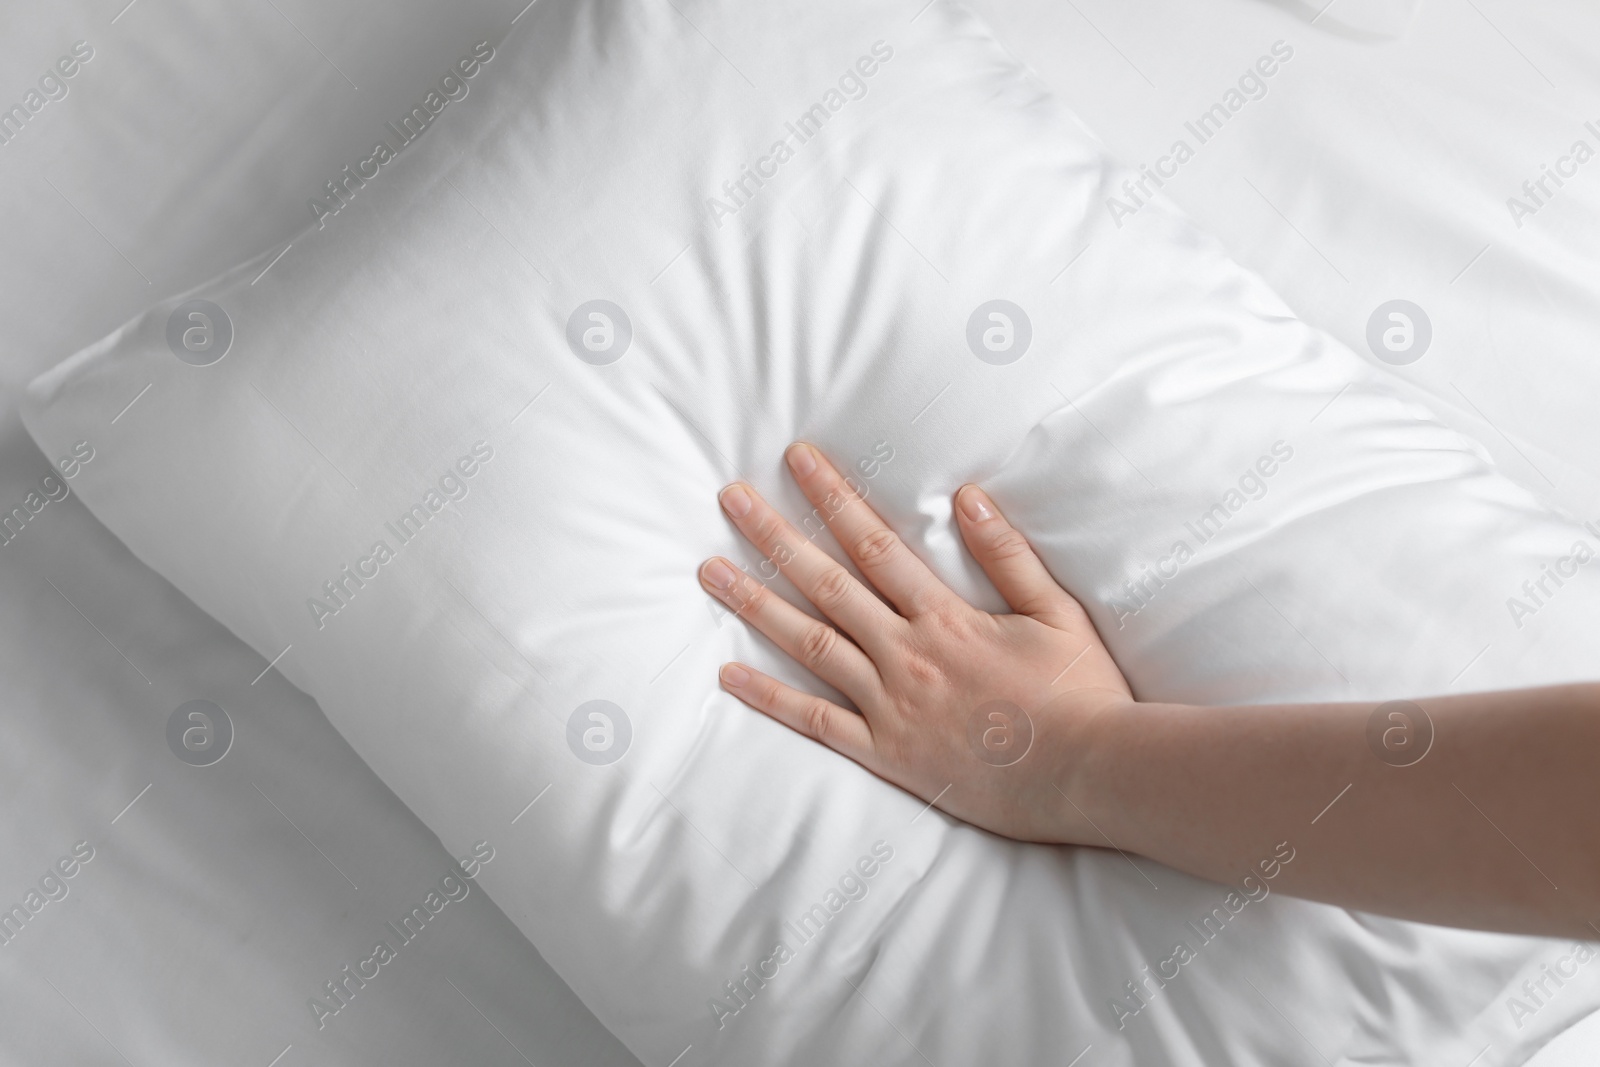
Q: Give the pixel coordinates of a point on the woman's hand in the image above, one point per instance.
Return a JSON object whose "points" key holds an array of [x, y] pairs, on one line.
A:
{"points": [[1023, 725], [980, 714]]}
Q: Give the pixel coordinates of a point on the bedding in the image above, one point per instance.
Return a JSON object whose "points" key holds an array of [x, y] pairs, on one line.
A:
{"points": [[1386, 160], [454, 470], [204, 920], [171, 911]]}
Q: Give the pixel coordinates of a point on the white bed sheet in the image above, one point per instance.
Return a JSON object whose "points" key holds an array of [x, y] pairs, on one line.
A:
{"points": [[219, 898], [1378, 166]]}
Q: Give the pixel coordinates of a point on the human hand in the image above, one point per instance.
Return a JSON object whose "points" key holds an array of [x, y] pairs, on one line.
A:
{"points": [[983, 715], [1075, 759]]}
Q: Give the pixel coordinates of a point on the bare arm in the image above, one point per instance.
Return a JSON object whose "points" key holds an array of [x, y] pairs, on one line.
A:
{"points": [[1496, 826], [1480, 810]]}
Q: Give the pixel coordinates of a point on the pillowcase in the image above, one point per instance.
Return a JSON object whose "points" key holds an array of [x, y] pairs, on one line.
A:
{"points": [[449, 463]]}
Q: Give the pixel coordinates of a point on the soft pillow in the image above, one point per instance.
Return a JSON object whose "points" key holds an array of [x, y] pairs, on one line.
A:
{"points": [[450, 464]]}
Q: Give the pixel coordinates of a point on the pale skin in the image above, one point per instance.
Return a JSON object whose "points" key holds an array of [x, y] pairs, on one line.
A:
{"points": [[1497, 827]]}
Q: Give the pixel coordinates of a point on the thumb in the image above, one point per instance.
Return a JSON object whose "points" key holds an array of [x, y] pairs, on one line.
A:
{"points": [[1010, 561]]}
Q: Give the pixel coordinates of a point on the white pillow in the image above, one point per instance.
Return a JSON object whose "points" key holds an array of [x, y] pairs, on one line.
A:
{"points": [[425, 371]]}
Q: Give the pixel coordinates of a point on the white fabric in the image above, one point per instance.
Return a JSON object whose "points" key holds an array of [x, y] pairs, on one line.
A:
{"points": [[1381, 163], [204, 921], [430, 315]]}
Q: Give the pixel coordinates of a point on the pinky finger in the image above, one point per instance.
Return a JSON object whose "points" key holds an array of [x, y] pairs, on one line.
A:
{"points": [[821, 720]]}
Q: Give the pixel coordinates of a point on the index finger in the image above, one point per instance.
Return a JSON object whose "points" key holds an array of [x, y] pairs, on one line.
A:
{"points": [[885, 559]]}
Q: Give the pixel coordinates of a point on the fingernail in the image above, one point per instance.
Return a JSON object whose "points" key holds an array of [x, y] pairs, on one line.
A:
{"points": [[737, 501], [734, 676], [719, 575], [802, 459], [973, 503]]}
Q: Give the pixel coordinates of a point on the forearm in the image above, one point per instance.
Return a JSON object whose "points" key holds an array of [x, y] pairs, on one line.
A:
{"points": [[1496, 826]]}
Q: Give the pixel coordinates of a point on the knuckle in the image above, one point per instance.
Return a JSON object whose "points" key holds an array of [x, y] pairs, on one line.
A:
{"points": [[766, 530], [816, 717], [833, 588], [747, 596], [923, 672], [1009, 544], [951, 620], [768, 692], [876, 547], [817, 646]]}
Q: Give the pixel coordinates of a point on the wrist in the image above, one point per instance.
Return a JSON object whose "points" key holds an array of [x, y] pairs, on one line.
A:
{"points": [[1086, 730]]}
